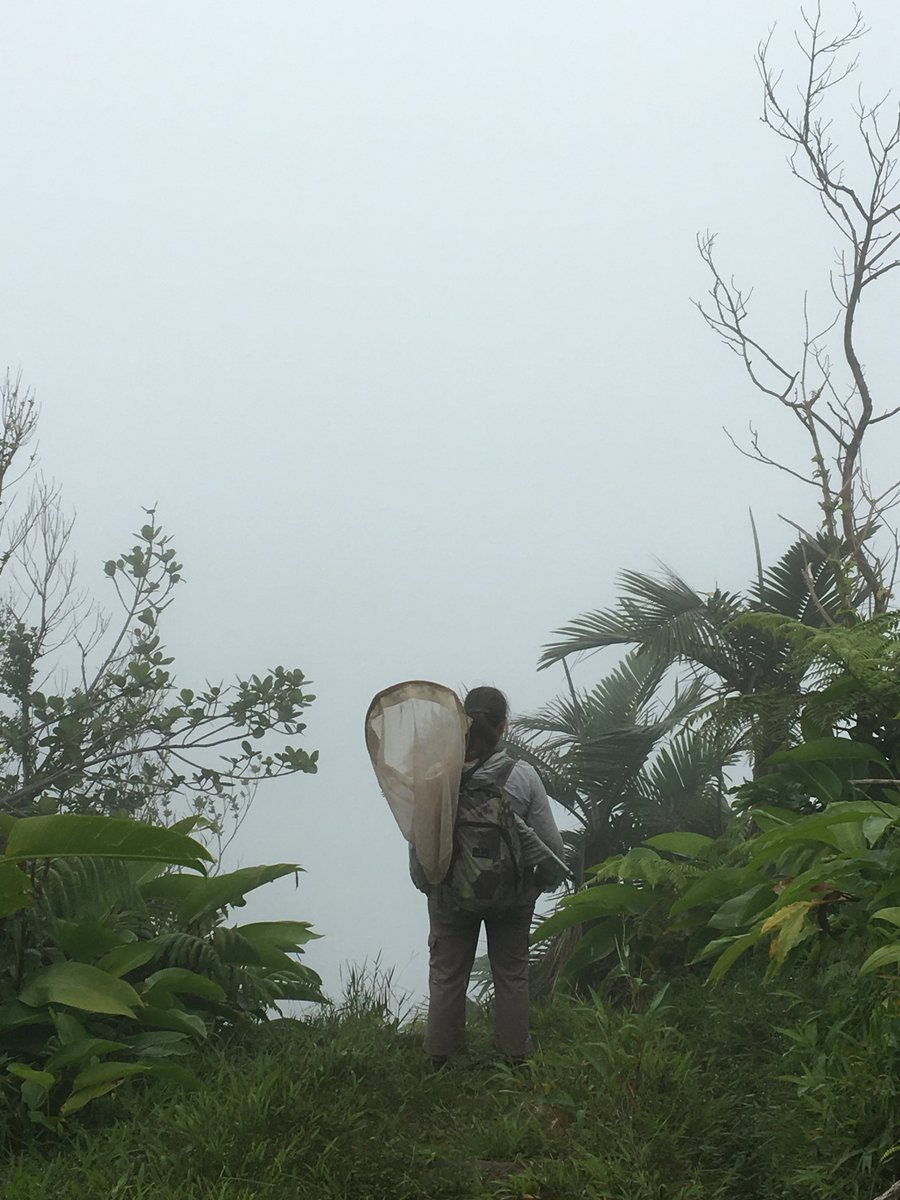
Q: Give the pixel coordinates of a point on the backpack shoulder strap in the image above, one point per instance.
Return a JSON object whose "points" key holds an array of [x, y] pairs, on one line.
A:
{"points": [[467, 775], [500, 771], [498, 774], [505, 771]]}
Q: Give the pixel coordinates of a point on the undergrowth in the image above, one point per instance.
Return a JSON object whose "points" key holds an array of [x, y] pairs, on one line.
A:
{"points": [[699, 1097]]}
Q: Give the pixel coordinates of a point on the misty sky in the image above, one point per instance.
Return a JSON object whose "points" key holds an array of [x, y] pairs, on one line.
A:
{"points": [[387, 306]]}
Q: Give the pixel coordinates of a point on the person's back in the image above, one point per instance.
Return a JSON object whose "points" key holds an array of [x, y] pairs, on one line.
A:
{"points": [[487, 872], [518, 820]]}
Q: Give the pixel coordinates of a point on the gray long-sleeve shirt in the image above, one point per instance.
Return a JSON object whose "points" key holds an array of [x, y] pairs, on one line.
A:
{"points": [[530, 802]]}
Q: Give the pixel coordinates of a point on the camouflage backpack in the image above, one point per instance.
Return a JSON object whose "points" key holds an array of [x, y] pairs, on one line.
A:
{"points": [[487, 871]]}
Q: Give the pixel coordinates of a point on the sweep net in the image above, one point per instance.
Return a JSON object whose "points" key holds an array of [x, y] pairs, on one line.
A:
{"points": [[416, 737]]}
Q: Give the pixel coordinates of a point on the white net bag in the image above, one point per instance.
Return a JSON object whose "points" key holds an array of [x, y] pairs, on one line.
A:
{"points": [[416, 737]]}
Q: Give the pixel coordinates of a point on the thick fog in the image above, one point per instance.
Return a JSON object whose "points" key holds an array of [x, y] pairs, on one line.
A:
{"points": [[387, 306]]}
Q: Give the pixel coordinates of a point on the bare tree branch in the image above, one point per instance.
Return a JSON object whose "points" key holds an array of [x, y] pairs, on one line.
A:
{"points": [[836, 426]]}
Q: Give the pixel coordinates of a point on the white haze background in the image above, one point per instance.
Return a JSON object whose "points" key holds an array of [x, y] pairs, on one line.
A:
{"points": [[387, 307]]}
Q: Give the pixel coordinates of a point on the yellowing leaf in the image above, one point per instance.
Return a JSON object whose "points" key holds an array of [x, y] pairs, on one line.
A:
{"points": [[790, 922], [786, 914]]}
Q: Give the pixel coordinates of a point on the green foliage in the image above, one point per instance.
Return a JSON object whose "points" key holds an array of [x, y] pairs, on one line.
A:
{"points": [[358, 1114], [671, 622], [817, 881], [95, 985], [126, 739], [68, 836], [112, 961], [745, 1094], [737, 649], [617, 758], [810, 866]]}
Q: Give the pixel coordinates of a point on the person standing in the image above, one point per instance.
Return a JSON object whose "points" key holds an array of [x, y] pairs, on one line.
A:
{"points": [[455, 923]]}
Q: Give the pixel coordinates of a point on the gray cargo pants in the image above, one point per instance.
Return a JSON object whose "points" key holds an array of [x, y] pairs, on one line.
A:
{"points": [[452, 943]]}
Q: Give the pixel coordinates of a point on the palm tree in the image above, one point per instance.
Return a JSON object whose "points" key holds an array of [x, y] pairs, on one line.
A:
{"points": [[620, 760], [748, 671], [626, 762]]}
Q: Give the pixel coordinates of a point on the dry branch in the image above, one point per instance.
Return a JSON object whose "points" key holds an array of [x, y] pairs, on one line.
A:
{"points": [[835, 418]]}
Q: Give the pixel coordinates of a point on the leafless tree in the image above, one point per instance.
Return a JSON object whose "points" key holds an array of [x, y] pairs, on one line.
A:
{"points": [[832, 400]]}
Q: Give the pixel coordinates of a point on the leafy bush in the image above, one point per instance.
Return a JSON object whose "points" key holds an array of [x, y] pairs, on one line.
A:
{"points": [[112, 963], [113, 966]]}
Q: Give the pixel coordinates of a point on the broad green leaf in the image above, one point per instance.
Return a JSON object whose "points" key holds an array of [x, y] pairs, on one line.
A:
{"points": [[890, 888], [145, 872], [850, 837], [176, 981], [105, 1071], [233, 947], [826, 873], [887, 914], [882, 957], [77, 1100], [302, 987], [175, 1073], [160, 1042], [127, 958], [712, 888], [191, 823], [600, 900], [81, 986], [688, 845], [34, 1095], [596, 944], [68, 1029], [818, 827], [14, 1014], [16, 891], [86, 942], [822, 782], [640, 862], [173, 1018], [827, 749], [741, 909], [69, 834], [730, 956], [733, 949], [277, 960], [768, 817], [172, 889], [195, 897], [83, 1051], [286, 935], [875, 826], [43, 1079]]}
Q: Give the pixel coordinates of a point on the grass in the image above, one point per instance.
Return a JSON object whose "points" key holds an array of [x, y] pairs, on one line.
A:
{"points": [[686, 1102]]}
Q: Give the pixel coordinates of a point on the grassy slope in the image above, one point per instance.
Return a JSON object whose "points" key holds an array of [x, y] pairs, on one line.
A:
{"points": [[685, 1103]]}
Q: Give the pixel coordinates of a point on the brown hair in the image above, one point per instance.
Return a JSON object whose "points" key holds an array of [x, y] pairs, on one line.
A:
{"points": [[488, 709]]}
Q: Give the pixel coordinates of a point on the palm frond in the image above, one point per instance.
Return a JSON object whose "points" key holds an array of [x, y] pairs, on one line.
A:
{"points": [[807, 567], [92, 891], [682, 787], [648, 611], [624, 693], [554, 772], [665, 620]]}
